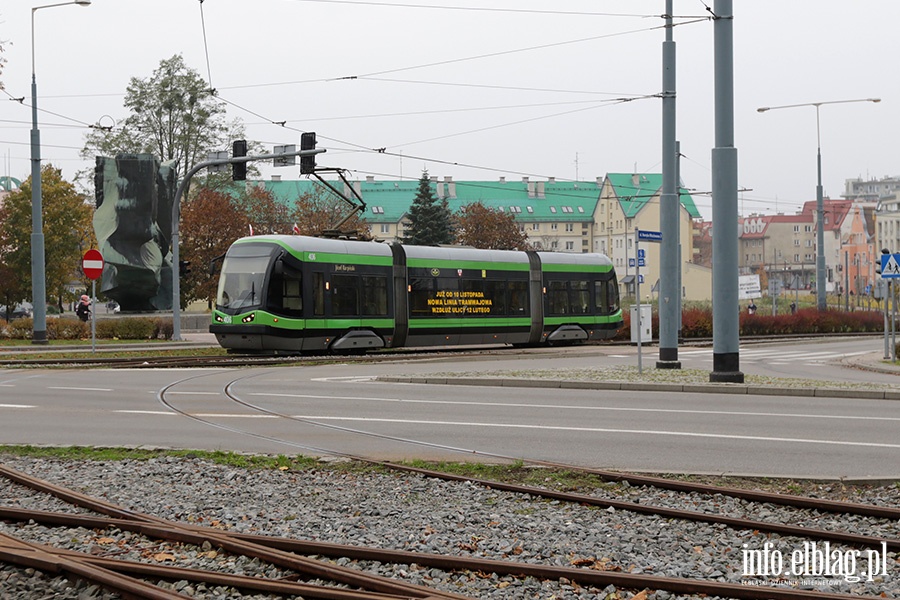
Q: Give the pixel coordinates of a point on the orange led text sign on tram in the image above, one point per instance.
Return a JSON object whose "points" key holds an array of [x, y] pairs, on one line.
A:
{"points": [[447, 302]]}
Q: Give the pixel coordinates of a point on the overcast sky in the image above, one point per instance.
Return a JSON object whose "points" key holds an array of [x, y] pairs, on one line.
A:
{"points": [[522, 88]]}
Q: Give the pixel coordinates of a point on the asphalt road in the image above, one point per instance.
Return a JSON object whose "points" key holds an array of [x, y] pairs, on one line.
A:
{"points": [[343, 408]]}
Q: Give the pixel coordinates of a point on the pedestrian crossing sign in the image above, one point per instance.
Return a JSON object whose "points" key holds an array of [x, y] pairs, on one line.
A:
{"points": [[890, 266]]}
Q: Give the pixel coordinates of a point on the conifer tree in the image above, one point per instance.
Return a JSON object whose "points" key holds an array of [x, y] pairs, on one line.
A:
{"points": [[430, 220]]}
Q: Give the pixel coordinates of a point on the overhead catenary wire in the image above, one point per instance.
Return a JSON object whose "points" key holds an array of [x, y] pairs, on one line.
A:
{"points": [[487, 9]]}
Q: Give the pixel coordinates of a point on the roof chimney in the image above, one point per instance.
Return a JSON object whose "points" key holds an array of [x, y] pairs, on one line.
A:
{"points": [[540, 189], [276, 177], [370, 178], [502, 179]]}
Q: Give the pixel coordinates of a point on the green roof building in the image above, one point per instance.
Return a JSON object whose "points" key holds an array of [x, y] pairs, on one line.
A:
{"points": [[565, 216]]}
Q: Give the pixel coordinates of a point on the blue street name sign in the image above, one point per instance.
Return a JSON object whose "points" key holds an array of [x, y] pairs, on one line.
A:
{"points": [[890, 266], [649, 236]]}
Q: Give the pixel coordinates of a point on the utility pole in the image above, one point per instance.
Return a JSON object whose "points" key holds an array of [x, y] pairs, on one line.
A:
{"points": [[726, 328], [669, 256]]}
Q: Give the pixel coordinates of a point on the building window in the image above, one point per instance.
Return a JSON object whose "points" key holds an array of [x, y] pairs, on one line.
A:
{"points": [[535, 226], [554, 226], [570, 245], [553, 209], [385, 228], [570, 227]]}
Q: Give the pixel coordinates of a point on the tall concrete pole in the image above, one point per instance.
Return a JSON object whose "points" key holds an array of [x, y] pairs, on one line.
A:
{"points": [[726, 328], [821, 301], [670, 259]]}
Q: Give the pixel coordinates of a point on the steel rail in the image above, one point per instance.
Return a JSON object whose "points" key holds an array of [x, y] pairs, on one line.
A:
{"points": [[162, 528], [26, 554], [8, 551], [582, 576]]}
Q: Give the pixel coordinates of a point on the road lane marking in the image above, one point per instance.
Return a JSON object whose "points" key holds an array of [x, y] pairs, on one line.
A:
{"points": [[79, 389], [17, 406], [724, 436], [575, 407]]}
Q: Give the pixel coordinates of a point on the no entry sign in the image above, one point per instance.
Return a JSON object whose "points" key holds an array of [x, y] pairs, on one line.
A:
{"points": [[92, 264]]}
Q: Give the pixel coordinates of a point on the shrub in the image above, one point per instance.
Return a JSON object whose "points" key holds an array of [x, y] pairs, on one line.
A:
{"points": [[135, 328], [163, 328], [697, 323], [67, 329], [21, 329]]}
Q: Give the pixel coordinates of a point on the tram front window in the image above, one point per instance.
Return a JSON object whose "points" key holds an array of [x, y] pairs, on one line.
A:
{"points": [[241, 282]]}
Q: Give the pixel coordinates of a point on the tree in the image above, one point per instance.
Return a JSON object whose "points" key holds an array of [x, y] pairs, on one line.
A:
{"points": [[484, 227], [67, 226], [210, 222], [431, 222], [174, 115], [319, 211], [263, 211]]}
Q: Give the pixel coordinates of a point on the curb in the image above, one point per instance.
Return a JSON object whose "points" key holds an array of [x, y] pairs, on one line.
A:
{"points": [[699, 388]]}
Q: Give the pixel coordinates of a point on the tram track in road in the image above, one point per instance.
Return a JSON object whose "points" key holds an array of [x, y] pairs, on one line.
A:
{"points": [[170, 538], [802, 510]]}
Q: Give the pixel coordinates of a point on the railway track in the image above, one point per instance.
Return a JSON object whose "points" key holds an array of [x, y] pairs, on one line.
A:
{"points": [[290, 558]]}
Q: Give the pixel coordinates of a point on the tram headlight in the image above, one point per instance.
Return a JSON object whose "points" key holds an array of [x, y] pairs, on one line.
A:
{"points": [[249, 318]]}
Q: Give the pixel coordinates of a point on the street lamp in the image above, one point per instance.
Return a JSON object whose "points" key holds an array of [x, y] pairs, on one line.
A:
{"points": [[38, 275], [820, 202]]}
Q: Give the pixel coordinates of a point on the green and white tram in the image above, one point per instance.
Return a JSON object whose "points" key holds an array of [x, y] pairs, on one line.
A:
{"points": [[292, 294]]}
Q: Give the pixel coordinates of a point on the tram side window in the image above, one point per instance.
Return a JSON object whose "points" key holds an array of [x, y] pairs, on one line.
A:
{"points": [[518, 299], [345, 295], [374, 295], [602, 303], [557, 298], [612, 295], [580, 296], [421, 291], [292, 299], [495, 291], [319, 293]]}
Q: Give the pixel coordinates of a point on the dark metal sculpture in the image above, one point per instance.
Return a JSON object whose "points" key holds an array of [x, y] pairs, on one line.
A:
{"points": [[133, 225]]}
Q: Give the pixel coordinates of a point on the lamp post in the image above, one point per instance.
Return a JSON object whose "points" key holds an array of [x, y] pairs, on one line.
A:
{"points": [[38, 274], [820, 202]]}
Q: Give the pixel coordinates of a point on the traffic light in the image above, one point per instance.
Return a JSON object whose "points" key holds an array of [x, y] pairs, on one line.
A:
{"points": [[184, 267], [239, 170], [308, 163], [884, 251]]}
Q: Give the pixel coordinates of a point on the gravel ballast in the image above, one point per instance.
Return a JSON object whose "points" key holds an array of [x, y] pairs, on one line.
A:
{"points": [[404, 511]]}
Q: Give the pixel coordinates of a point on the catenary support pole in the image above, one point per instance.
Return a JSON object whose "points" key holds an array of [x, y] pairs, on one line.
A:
{"points": [[726, 330], [669, 257]]}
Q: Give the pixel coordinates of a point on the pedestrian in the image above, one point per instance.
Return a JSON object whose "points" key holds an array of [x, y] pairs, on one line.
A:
{"points": [[83, 310], [793, 308], [751, 308]]}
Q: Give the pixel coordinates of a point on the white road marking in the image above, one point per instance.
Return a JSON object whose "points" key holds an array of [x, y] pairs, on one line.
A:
{"points": [[17, 406], [575, 407], [641, 432], [80, 389]]}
